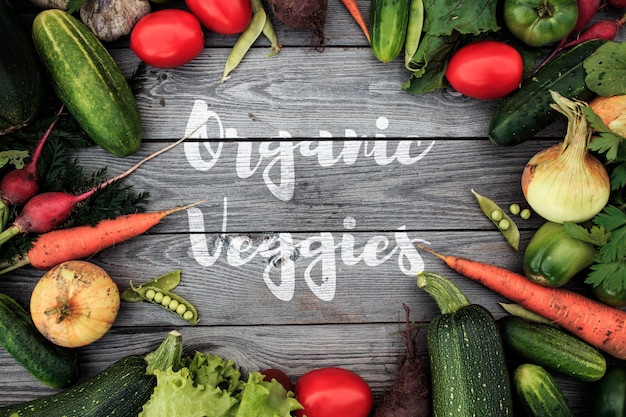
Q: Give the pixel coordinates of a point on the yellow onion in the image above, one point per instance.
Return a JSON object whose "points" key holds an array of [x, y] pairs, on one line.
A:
{"points": [[565, 182]]}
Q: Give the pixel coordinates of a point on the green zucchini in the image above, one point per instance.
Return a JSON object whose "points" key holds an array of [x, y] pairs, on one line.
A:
{"points": [[53, 365], [388, 28], [539, 392], [21, 76], [120, 390], [553, 257], [468, 369], [88, 81], [552, 348], [527, 111]]}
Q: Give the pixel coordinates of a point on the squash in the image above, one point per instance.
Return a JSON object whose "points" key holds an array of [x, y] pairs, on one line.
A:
{"points": [[21, 77], [468, 369], [120, 390], [75, 303]]}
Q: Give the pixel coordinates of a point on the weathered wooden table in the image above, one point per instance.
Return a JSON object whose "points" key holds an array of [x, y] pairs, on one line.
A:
{"points": [[319, 176]]}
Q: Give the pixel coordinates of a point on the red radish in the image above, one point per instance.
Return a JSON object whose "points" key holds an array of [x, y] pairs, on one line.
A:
{"points": [[80, 242], [603, 29], [596, 323], [20, 185], [47, 211], [617, 4], [587, 9]]}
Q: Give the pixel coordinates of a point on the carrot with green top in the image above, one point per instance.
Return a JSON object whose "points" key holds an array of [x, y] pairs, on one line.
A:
{"points": [[353, 8], [80, 242], [596, 323]]}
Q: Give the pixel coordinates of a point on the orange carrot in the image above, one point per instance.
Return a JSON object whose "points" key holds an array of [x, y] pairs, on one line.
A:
{"points": [[596, 323], [79, 242], [353, 8]]}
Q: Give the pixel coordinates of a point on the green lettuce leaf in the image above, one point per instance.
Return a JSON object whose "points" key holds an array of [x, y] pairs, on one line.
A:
{"points": [[209, 386], [606, 69]]}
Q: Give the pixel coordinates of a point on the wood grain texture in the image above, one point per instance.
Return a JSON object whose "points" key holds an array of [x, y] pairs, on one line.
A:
{"points": [[318, 174]]}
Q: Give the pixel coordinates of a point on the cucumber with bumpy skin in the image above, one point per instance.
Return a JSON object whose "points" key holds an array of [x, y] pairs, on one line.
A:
{"points": [[388, 28], [21, 77], [552, 348], [527, 111], [88, 81], [120, 390], [539, 392], [53, 365]]}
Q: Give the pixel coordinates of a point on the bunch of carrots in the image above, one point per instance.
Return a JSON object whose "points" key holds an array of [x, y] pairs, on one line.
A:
{"points": [[45, 213]]}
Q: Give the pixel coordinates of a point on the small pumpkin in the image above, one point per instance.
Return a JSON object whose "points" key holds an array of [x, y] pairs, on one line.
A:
{"points": [[75, 303]]}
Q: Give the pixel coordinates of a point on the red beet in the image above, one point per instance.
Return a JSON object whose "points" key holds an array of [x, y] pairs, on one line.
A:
{"points": [[20, 185], [616, 4], [587, 9], [302, 15]]}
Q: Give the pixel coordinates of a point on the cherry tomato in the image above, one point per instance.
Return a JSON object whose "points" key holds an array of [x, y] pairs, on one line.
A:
{"points": [[485, 70], [167, 38], [333, 392], [279, 376], [227, 17], [540, 22]]}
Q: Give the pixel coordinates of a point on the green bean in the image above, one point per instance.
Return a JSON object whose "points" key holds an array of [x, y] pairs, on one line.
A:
{"points": [[167, 282], [413, 32], [169, 301], [505, 224], [268, 29], [244, 42]]}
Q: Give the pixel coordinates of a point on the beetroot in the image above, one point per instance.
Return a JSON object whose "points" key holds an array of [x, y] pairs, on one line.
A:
{"points": [[602, 29], [409, 395], [302, 15]]}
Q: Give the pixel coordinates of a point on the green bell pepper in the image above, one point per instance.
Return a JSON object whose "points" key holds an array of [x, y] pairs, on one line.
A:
{"points": [[610, 394]]}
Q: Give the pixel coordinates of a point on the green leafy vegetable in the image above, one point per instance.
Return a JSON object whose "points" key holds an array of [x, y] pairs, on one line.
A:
{"points": [[606, 69], [448, 25], [207, 385], [15, 158]]}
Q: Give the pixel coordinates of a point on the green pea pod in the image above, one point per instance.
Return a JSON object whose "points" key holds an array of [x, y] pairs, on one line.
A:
{"points": [[610, 394], [268, 29], [500, 219], [413, 33], [244, 42], [169, 301], [553, 257], [165, 282]]}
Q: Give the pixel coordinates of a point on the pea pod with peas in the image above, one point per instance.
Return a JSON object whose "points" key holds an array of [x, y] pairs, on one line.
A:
{"points": [[159, 291], [500, 219]]}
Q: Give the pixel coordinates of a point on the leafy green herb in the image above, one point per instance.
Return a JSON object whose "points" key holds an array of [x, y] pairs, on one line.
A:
{"points": [[59, 169], [606, 69], [74, 5], [596, 235], [609, 268]]}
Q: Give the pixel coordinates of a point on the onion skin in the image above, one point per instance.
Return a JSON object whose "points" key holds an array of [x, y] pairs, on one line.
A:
{"points": [[565, 182], [612, 111], [74, 304]]}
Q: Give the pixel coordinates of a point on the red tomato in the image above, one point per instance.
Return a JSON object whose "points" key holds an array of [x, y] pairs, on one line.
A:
{"points": [[485, 70], [227, 17], [167, 38], [333, 392], [281, 377]]}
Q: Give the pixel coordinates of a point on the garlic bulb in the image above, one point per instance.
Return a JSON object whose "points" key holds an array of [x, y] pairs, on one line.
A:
{"points": [[565, 182], [111, 19]]}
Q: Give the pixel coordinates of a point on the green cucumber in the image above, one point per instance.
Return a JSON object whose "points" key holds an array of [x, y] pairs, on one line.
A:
{"points": [[527, 111], [53, 365], [552, 348], [21, 76], [388, 28], [468, 368], [120, 390], [88, 81], [539, 392]]}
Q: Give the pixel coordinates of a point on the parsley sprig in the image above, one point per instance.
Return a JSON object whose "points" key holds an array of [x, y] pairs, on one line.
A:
{"points": [[609, 230]]}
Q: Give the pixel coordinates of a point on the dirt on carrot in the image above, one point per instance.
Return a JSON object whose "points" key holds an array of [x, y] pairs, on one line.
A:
{"points": [[409, 395]]}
